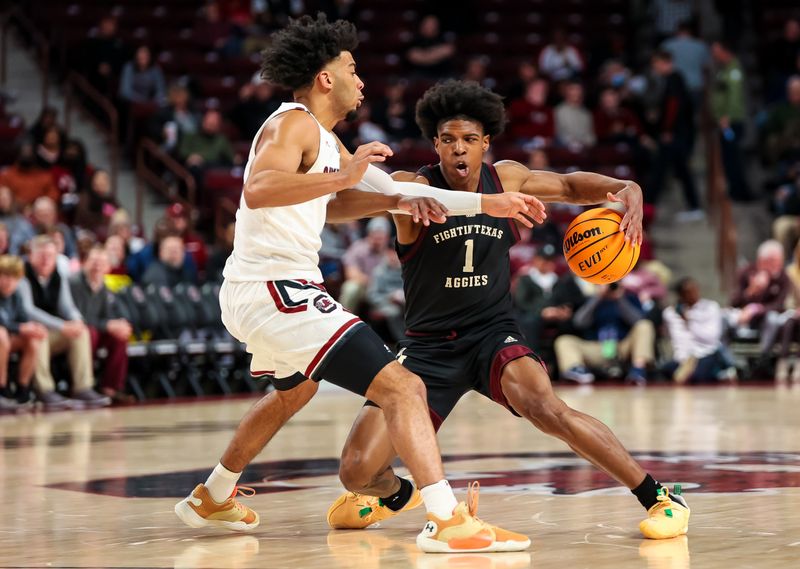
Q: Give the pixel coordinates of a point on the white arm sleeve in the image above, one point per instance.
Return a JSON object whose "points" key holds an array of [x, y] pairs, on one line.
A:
{"points": [[457, 203]]}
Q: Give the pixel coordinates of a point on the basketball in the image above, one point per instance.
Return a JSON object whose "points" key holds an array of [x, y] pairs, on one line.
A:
{"points": [[595, 248]]}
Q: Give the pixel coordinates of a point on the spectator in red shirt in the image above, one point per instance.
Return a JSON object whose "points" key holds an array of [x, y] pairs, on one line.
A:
{"points": [[613, 123], [530, 118], [195, 246]]}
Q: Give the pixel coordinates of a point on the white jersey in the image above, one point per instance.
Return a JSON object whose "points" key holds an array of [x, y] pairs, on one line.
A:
{"points": [[282, 243]]}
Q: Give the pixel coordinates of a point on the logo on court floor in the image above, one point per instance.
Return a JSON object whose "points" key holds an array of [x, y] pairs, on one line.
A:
{"points": [[533, 473]]}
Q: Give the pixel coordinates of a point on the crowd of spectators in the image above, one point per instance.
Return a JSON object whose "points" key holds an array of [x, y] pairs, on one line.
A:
{"points": [[574, 102]]}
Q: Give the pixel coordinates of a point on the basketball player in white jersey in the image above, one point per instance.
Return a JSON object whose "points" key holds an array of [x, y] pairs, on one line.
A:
{"points": [[271, 299]]}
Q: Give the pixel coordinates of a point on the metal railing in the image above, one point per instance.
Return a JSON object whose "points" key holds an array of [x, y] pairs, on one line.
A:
{"points": [[78, 85], [224, 213], [719, 204], [40, 43], [148, 156]]}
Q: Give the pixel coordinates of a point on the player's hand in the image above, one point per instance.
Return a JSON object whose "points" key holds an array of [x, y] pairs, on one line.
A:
{"points": [[423, 209], [514, 205], [631, 197], [365, 155]]}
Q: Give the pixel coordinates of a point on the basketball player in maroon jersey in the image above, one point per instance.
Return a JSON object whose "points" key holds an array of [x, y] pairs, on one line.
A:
{"points": [[461, 333]]}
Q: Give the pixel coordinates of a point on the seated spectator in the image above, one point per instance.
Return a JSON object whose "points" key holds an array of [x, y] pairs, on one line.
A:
{"points": [[102, 55], [17, 334], [531, 119], [19, 229], [694, 326], [137, 263], [257, 101], [142, 80], [47, 119], [614, 331], [26, 180], [385, 294], [47, 299], [360, 261], [208, 147], [194, 244], [759, 297], [48, 151], [559, 60], [174, 120], [432, 52], [526, 73], [574, 126], [613, 123], [107, 329], [117, 277], [538, 160], [169, 269], [72, 175], [393, 114], [44, 217], [789, 333], [781, 131], [477, 71], [545, 301], [122, 225], [213, 33], [97, 205]]}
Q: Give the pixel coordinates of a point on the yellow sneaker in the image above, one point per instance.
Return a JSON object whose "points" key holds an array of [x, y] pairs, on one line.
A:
{"points": [[198, 510], [668, 518], [356, 511], [466, 533]]}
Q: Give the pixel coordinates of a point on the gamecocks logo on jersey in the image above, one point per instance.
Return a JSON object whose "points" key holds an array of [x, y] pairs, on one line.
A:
{"points": [[324, 304]]}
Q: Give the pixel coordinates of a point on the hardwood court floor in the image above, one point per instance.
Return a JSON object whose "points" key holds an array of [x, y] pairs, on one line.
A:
{"points": [[96, 489]]}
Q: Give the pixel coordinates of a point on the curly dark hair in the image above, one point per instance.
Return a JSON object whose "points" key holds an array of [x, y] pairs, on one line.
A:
{"points": [[460, 99], [300, 50]]}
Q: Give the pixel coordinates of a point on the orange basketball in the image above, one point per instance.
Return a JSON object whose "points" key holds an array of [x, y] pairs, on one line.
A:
{"points": [[596, 249]]}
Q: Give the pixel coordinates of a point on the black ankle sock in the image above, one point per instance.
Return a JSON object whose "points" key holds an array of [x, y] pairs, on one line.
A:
{"points": [[396, 501], [647, 492], [6, 392], [23, 394]]}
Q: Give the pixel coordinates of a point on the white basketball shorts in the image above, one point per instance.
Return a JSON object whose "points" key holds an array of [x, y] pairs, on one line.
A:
{"points": [[289, 326]]}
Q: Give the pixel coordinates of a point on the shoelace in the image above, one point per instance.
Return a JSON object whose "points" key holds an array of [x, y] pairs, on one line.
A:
{"points": [[664, 503], [245, 491]]}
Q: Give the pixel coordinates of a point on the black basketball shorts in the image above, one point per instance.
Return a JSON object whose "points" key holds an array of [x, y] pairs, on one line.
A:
{"points": [[459, 362]]}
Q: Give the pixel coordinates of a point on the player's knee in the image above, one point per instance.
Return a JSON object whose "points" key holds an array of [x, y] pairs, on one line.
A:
{"points": [[354, 472], [548, 414]]}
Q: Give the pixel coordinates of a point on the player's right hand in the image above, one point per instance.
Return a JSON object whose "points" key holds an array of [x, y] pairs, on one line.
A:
{"points": [[515, 205], [365, 155], [423, 209]]}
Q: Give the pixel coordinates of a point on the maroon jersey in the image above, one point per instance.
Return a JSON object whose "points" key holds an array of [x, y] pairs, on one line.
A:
{"points": [[457, 274]]}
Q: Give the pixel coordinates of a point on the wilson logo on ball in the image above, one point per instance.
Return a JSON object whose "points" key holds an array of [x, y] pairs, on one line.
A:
{"points": [[579, 236]]}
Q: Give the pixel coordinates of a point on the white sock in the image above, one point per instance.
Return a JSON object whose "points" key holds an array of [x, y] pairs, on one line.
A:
{"points": [[439, 499], [221, 483]]}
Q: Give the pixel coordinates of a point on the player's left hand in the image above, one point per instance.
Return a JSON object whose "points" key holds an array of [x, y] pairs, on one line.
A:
{"points": [[423, 209], [631, 197]]}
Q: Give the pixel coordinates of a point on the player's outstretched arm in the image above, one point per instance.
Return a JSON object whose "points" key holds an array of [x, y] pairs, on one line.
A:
{"points": [[350, 205], [513, 205], [288, 146], [583, 188]]}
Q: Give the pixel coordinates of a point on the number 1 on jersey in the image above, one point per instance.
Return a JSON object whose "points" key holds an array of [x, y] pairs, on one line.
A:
{"points": [[468, 266]]}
